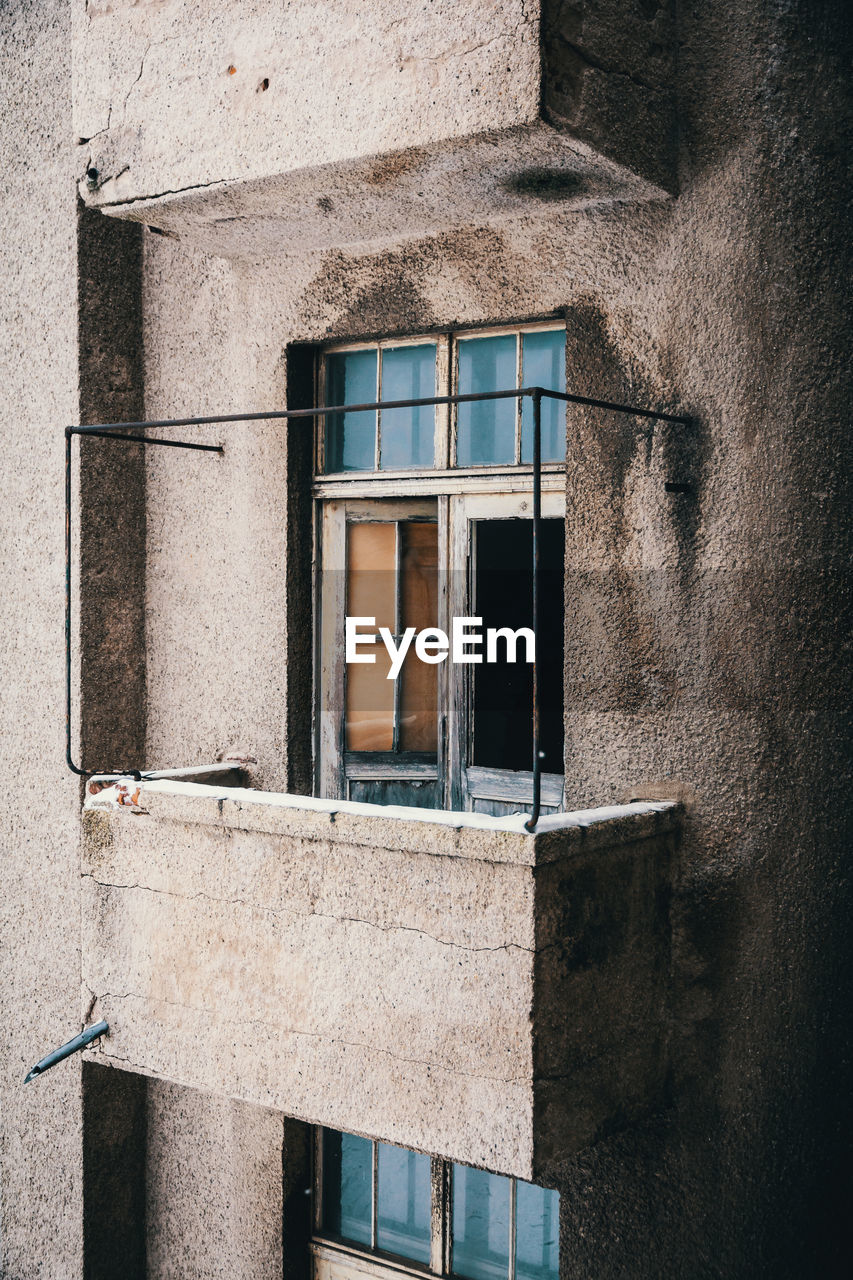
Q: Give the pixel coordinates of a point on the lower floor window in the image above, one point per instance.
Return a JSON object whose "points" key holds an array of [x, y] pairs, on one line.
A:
{"points": [[389, 1206]]}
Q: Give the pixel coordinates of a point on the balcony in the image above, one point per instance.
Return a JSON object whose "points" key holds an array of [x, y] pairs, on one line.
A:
{"points": [[316, 126], [446, 981]]}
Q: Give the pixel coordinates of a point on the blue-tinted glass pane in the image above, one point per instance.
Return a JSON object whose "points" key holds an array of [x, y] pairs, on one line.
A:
{"points": [[543, 364], [403, 1203], [537, 1233], [351, 437], [486, 430], [480, 1224], [347, 1176], [408, 435]]}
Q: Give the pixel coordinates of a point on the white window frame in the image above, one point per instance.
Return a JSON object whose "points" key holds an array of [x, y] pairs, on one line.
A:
{"points": [[491, 491]]}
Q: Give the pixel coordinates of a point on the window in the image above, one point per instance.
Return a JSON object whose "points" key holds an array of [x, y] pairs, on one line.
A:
{"points": [[423, 517], [380, 1208]]}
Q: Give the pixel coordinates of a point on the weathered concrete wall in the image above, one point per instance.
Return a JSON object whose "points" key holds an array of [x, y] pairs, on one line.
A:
{"points": [[40, 1167], [109, 520], [703, 651], [115, 1125], [412, 980], [214, 1187], [182, 1183], [706, 641], [609, 77]]}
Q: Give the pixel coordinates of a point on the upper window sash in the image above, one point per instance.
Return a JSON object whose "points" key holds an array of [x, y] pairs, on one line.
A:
{"points": [[424, 440], [382, 440]]}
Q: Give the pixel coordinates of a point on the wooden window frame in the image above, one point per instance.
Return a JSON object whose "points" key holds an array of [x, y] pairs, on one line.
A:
{"points": [[498, 489]]}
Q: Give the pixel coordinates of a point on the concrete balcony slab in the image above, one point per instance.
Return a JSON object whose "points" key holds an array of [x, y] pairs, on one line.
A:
{"points": [[376, 120], [445, 981]]}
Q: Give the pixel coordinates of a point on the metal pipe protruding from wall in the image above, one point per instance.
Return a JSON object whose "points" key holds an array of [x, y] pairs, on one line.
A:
{"points": [[85, 1037]]}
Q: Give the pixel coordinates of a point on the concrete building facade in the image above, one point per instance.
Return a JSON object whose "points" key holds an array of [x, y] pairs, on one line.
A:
{"points": [[641, 1006]]}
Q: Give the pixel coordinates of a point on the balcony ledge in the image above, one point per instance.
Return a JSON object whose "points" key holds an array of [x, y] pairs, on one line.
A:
{"points": [[452, 834]]}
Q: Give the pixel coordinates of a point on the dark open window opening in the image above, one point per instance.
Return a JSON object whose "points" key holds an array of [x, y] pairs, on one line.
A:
{"points": [[502, 592]]}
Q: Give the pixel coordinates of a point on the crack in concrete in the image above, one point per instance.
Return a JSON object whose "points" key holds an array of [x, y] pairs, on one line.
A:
{"points": [[463, 53], [93, 1000], [313, 914], [405, 928], [159, 195], [152, 44], [319, 1035], [596, 64]]}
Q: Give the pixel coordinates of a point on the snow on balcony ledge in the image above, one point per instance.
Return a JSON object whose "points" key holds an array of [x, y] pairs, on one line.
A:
{"points": [[477, 835]]}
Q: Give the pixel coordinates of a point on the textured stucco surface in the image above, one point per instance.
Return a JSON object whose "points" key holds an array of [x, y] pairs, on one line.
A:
{"points": [[704, 648], [172, 93], [40, 1172], [403, 979], [214, 1185], [422, 190]]}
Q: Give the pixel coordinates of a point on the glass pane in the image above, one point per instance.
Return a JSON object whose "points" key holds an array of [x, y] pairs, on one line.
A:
{"points": [[403, 1203], [543, 364], [351, 437], [408, 435], [537, 1233], [486, 430], [347, 1177], [370, 702], [480, 1224], [371, 593], [419, 608], [372, 571]]}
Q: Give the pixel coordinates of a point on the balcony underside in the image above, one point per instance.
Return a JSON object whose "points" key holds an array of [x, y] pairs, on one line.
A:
{"points": [[382, 200], [307, 128]]}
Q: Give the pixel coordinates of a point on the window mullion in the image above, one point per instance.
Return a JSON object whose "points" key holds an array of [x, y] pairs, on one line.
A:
{"points": [[398, 624], [374, 1192], [443, 416], [513, 1186], [317, 1180], [438, 1216], [453, 370], [519, 374], [378, 444]]}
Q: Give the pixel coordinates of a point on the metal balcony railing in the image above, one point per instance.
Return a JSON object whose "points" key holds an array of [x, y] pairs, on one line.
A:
{"points": [[122, 431]]}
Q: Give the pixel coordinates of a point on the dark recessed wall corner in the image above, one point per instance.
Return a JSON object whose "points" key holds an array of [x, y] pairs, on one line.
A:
{"points": [[114, 1140], [297, 1201], [615, 660], [608, 78], [602, 981], [299, 362], [111, 522]]}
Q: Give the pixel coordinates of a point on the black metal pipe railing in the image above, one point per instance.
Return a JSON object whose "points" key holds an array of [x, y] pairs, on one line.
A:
{"points": [[121, 431]]}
